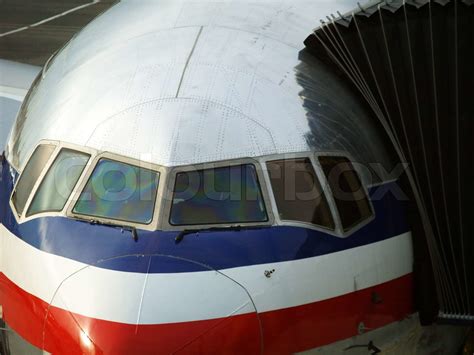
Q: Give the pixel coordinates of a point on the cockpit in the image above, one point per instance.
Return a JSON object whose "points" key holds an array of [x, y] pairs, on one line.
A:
{"points": [[321, 191]]}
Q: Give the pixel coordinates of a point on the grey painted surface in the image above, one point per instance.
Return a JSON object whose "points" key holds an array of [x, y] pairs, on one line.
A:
{"points": [[34, 46]]}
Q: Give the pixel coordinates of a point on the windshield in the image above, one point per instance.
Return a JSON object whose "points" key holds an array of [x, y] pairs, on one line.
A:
{"points": [[349, 195], [298, 193], [119, 191], [215, 196], [30, 175], [59, 182]]}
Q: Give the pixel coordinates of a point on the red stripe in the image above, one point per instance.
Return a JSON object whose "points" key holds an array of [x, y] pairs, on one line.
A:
{"points": [[308, 326], [284, 331]]}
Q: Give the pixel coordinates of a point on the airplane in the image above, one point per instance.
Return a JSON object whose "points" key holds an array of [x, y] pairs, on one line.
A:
{"points": [[183, 177]]}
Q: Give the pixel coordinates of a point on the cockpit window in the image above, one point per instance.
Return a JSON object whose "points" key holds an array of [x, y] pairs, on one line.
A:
{"points": [[298, 193], [349, 195], [218, 196], [59, 182], [30, 175], [119, 191]]}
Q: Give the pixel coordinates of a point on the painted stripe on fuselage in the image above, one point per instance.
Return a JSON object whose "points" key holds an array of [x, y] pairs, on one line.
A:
{"points": [[283, 331], [167, 298]]}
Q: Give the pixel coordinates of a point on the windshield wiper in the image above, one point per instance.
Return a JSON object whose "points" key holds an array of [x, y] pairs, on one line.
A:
{"points": [[132, 230], [236, 227]]}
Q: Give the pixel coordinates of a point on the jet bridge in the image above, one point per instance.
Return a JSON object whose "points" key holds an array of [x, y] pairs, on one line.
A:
{"points": [[412, 63]]}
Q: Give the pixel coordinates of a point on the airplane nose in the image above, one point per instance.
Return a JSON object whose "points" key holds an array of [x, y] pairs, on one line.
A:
{"points": [[165, 305]]}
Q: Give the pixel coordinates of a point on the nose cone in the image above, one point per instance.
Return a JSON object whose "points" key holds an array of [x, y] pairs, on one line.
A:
{"points": [[99, 310]]}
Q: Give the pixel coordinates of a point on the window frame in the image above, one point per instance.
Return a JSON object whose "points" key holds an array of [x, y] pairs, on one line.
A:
{"points": [[165, 212], [362, 223], [58, 147], [152, 226], [164, 198], [324, 187], [42, 178], [313, 156]]}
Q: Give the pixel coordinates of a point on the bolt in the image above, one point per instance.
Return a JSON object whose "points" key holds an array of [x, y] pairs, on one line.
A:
{"points": [[268, 273]]}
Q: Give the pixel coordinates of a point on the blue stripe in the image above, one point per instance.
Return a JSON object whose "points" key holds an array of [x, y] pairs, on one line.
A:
{"points": [[101, 245]]}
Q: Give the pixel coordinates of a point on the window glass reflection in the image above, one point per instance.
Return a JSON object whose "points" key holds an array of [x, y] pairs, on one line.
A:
{"points": [[349, 195], [298, 193], [30, 175], [59, 182], [119, 191], [220, 195]]}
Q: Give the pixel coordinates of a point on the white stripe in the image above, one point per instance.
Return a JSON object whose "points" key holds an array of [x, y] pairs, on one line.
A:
{"points": [[115, 295], [315, 279]]}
